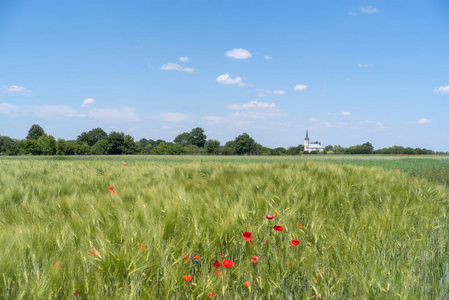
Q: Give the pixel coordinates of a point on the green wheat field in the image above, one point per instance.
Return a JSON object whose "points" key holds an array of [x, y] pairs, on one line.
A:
{"points": [[368, 227]]}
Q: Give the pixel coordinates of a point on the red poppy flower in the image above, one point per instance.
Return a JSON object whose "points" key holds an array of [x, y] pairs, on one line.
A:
{"points": [[267, 242], [126, 164], [247, 236], [110, 188], [254, 259], [247, 284], [218, 273], [92, 251], [142, 246], [226, 263], [396, 170], [114, 193], [222, 255], [211, 295], [77, 292], [413, 178], [269, 217], [300, 225], [185, 257], [58, 265], [187, 278], [294, 243], [278, 228], [196, 256], [413, 173], [275, 213], [216, 264], [439, 182]]}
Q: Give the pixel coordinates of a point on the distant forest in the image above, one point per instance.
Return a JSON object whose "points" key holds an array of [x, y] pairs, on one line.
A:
{"points": [[98, 142]]}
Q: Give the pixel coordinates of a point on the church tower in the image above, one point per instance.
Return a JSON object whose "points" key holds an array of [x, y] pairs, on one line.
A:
{"points": [[306, 140]]}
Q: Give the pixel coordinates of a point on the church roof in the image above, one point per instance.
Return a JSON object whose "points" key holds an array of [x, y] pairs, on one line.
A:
{"points": [[315, 146]]}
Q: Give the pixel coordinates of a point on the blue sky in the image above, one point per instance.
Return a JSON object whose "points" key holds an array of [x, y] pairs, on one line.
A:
{"points": [[348, 71]]}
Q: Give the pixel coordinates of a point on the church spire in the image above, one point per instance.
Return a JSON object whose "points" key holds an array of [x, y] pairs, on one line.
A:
{"points": [[307, 133]]}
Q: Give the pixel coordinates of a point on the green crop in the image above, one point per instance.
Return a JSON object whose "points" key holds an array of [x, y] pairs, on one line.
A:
{"points": [[364, 232]]}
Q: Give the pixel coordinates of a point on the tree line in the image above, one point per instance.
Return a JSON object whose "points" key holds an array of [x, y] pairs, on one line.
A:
{"points": [[98, 142]]}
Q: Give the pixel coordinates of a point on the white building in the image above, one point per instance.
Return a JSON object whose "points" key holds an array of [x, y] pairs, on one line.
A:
{"points": [[311, 147]]}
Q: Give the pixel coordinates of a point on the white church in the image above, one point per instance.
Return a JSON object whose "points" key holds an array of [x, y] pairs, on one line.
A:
{"points": [[311, 147]]}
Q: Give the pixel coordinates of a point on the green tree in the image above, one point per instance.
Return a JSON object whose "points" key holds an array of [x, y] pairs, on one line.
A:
{"points": [[212, 146], [47, 144], [198, 138], [35, 132], [183, 138], [228, 148], [129, 146], [295, 150], [116, 141], [101, 147], [279, 151], [244, 144], [93, 136], [29, 147], [82, 148], [8, 146]]}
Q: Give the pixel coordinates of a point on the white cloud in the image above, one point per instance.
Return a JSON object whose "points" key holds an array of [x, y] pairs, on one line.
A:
{"points": [[442, 90], [278, 92], [345, 113], [215, 120], [184, 59], [368, 9], [256, 110], [13, 89], [238, 53], [8, 109], [376, 125], [268, 57], [364, 65], [226, 79], [352, 14], [424, 121], [300, 87], [49, 111], [242, 84], [175, 67], [87, 102], [114, 115], [262, 92], [175, 117]]}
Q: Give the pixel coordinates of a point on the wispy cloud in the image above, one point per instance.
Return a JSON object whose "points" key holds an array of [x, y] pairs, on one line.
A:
{"points": [[352, 14], [268, 57], [368, 9], [300, 87], [175, 67], [87, 102], [373, 124], [256, 110], [13, 89], [173, 117], [442, 90], [184, 59], [226, 79], [114, 115], [345, 113], [364, 65], [238, 53], [278, 92], [8, 109], [423, 121]]}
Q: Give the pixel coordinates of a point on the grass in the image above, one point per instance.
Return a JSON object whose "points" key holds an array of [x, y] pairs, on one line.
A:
{"points": [[367, 232]]}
